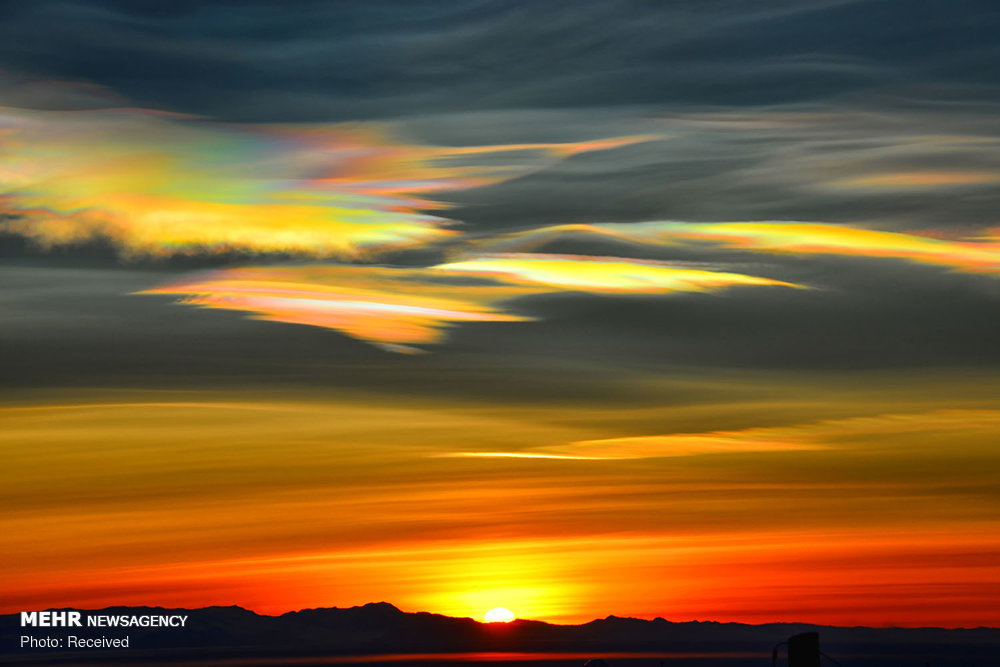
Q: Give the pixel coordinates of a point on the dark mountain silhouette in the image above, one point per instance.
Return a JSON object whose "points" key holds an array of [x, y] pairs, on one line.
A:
{"points": [[380, 628]]}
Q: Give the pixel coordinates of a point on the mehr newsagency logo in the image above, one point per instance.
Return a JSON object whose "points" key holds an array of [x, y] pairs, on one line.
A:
{"points": [[76, 619]]}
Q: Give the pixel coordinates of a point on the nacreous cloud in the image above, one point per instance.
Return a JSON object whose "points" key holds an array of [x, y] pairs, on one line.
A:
{"points": [[389, 307], [158, 184], [601, 274], [396, 308], [979, 255]]}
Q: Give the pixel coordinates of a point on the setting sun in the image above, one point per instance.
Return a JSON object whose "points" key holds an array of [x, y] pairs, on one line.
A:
{"points": [[499, 615]]}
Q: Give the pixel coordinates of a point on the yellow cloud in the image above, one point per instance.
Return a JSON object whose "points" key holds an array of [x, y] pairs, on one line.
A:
{"points": [[602, 274], [397, 308], [981, 255], [159, 184]]}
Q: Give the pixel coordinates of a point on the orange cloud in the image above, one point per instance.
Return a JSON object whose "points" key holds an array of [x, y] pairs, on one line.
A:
{"points": [[818, 436], [917, 179]]}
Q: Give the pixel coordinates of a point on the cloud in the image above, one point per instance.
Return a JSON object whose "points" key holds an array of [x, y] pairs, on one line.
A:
{"points": [[918, 179], [873, 432], [309, 61], [602, 274], [396, 308], [871, 163], [981, 255], [392, 308], [740, 450], [157, 184]]}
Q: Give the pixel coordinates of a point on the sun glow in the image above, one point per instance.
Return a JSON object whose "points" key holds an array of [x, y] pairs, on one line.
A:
{"points": [[499, 615]]}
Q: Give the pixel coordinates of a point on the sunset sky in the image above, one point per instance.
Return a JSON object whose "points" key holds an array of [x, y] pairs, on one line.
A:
{"points": [[682, 310]]}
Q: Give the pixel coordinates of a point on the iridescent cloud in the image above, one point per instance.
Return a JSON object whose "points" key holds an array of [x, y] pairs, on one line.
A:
{"points": [[389, 307], [160, 184], [980, 255], [396, 308], [602, 274]]}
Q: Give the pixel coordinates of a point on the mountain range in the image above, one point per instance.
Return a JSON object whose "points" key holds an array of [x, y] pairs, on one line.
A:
{"points": [[240, 635]]}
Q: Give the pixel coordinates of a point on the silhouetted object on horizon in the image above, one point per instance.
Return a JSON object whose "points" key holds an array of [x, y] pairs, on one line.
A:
{"points": [[803, 650]]}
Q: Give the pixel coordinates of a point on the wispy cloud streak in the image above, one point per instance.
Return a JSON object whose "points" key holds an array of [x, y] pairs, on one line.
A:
{"points": [[803, 437], [603, 274], [979, 255]]}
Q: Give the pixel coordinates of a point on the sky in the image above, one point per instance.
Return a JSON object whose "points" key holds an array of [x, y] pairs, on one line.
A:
{"points": [[679, 310]]}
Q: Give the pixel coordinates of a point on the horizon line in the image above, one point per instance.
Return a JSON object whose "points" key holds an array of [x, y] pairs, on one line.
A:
{"points": [[516, 620]]}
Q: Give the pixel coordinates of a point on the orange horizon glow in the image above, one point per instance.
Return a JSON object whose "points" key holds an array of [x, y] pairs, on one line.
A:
{"points": [[749, 538], [761, 578]]}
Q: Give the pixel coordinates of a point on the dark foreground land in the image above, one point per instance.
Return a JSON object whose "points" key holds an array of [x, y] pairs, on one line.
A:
{"points": [[379, 635]]}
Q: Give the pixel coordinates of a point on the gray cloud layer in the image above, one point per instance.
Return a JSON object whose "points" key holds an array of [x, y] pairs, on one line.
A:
{"points": [[321, 61]]}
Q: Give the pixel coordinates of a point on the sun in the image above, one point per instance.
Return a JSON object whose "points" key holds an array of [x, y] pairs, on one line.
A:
{"points": [[499, 615]]}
